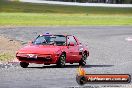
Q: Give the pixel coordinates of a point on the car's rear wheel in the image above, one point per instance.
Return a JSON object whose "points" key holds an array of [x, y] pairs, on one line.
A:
{"points": [[83, 60], [24, 64], [62, 61]]}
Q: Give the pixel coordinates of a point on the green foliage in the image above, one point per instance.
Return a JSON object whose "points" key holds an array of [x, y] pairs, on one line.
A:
{"points": [[127, 1]]}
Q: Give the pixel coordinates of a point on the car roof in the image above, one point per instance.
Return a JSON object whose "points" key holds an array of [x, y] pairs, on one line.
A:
{"points": [[55, 34]]}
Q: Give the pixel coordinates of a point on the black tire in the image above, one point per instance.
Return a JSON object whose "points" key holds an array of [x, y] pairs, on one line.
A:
{"points": [[62, 61], [83, 60], [24, 64]]}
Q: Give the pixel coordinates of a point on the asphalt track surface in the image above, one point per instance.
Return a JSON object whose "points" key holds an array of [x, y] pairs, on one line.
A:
{"points": [[110, 53]]}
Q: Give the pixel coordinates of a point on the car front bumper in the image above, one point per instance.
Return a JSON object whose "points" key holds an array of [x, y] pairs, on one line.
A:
{"points": [[39, 59]]}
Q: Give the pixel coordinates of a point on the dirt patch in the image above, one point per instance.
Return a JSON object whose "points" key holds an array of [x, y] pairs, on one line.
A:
{"points": [[8, 48]]}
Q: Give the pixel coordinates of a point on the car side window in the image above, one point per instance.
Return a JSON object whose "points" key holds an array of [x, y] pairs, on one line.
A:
{"points": [[71, 39]]}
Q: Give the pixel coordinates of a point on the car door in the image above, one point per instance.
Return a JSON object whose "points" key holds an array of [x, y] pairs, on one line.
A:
{"points": [[73, 51]]}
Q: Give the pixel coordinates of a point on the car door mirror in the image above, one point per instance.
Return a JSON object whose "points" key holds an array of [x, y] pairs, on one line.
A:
{"points": [[71, 44]]}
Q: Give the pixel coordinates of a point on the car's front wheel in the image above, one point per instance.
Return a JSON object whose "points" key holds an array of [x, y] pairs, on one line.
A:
{"points": [[62, 61], [24, 64], [83, 60]]}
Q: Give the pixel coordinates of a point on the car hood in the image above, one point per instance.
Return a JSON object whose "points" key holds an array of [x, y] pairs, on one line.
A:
{"points": [[39, 49]]}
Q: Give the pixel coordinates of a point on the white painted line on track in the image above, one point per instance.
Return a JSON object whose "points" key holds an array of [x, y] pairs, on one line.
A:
{"points": [[78, 4]]}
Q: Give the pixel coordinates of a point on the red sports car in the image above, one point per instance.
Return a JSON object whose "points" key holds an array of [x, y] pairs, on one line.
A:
{"points": [[53, 49]]}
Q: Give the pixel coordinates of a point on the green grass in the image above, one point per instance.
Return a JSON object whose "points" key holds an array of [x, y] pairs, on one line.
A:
{"points": [[5, 56], [27, 14], [47, 8], [32, 19]]}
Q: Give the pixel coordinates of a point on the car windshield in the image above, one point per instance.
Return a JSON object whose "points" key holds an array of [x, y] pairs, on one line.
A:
{"points": [[59, 40]]}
